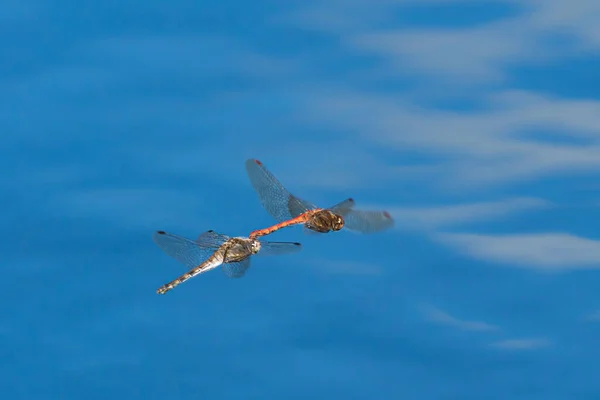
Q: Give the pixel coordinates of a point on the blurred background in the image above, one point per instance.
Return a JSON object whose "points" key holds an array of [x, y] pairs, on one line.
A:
{"points": [[475, 123]]}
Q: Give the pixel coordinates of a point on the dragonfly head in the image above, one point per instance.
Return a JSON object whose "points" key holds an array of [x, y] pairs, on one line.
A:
{"points": [[337, 222], [254, 246]]}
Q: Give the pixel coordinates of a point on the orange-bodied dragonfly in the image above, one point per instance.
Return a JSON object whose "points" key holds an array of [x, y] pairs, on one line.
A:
{"points": [[289, 210], [212, 249]]}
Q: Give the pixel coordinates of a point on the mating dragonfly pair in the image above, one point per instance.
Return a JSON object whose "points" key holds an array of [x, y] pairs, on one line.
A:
{"points": [[213, 249]]}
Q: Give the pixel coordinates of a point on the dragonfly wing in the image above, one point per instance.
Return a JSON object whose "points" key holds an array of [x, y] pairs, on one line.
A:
{"points": [[297, 206], [311, 232], [367, 221], [211, 239], [275, 198], [276, 248], [362, 221], [184, 250], [236, 269], [343, 207]]}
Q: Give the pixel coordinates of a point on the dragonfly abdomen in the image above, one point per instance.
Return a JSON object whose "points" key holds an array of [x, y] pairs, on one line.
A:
{"points": [[213, 261], [300, 219]]}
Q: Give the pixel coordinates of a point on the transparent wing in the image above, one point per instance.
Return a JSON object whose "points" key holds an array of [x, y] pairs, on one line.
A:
{"points": [[276, 248], [276, 199], [297, 206], [363, 221], [211, 239], [184, 250], [368, 221], [311, 232], [343, 207], [236, 269]]}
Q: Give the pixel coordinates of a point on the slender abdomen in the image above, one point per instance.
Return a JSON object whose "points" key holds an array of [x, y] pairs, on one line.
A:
{"points": [[213, 261], [300, 219]]}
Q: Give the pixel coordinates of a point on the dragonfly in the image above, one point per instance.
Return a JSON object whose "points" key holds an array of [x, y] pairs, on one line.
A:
{"points": [[211, 250], [289, 209]]}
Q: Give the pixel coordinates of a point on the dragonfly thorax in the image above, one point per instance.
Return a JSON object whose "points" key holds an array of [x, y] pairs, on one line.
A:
{"points": [[325, 221], [238, 249]]}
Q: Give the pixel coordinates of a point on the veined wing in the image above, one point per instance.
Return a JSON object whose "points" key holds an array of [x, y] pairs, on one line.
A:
{"points": [[189, 252], [277, 248], [363, 221], [236, 269], [211, 239], [343, 207], [311, 232], [275, 198]]}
